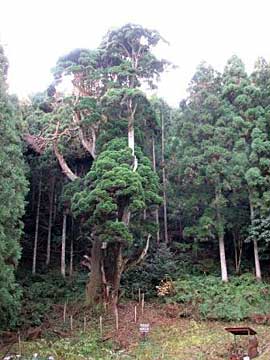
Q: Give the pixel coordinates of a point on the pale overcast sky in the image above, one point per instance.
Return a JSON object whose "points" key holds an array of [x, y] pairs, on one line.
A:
{"points": [[36, 32]]}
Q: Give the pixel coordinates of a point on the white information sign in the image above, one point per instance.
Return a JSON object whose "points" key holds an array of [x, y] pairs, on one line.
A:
{"points": [[144, 328]]}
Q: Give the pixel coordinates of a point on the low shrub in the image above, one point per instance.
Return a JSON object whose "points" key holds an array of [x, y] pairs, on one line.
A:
{"points": [[159, 264], [236, 300], [41, 291]]}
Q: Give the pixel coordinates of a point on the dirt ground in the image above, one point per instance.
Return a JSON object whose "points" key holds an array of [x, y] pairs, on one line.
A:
{"points": [[171, 336]]}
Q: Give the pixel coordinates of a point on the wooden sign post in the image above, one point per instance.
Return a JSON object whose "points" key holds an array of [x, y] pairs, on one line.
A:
{"points": [[144, 330]]}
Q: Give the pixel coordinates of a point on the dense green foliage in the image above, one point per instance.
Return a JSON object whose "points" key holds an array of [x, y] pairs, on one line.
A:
{"points": [[43, 291], [238, 300], [133, 190], [13, 187], [160, 264], [220, 167]]}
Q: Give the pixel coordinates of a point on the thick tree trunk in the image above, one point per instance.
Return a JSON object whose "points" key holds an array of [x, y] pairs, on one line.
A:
{"points": [[34, 264], [51, 199], [164, 181], [112, 270], [255, 244], [118, 270], [94, 286], [155, 170], [63, 248]]}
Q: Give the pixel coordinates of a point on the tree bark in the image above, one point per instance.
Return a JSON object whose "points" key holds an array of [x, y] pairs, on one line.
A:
{"points": [[36, 230], [164, 181], [94, 286], [89, 146], [131, 140], [62, 162], [51, 200], [255, 244], [257, 261], [63, 248], [224, 274], [131, 137], [155, 170], [238, 249], [220, 231], [71, 249], [54, 205], [119, 267]]}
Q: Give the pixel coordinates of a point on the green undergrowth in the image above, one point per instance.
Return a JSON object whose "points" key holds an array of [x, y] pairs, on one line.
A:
{"points": [[185, 339], [239, 299], [81, 346], [42, 291]]}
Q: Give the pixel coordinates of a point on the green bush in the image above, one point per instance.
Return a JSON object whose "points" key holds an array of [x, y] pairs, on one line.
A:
{"points": [[237, 300], [41, 291], [159, 264]]}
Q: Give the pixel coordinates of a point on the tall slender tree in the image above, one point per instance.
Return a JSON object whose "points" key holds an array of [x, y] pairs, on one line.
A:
{"points": [[13, 189]]}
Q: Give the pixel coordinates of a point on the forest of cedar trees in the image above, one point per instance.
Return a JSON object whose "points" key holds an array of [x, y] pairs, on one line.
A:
{"points": [[108, 195]]}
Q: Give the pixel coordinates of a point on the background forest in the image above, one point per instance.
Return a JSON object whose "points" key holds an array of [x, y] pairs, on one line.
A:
{"points": [[105, 189]]}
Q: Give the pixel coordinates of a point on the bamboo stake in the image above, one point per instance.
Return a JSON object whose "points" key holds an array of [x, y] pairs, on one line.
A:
{"points": [[139, 295], [65, 312], [135, 313], [71, 322], [100, 325], [142, 303], [19, 343], [116, 319], [84, 324]]}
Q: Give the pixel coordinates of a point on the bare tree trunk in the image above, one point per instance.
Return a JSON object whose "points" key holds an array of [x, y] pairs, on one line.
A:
{"points": [[33, 194], [238, 249], [131, 142], [224, 274], [36, 230], [63, 248], [63, 164], [257, 261], [220, 227], [118, 270], [155, 170], [89, 146], [71, 248], [164, 181], [255, 244], [51, 199], [94, 286], [131, 137], [54, 205]]}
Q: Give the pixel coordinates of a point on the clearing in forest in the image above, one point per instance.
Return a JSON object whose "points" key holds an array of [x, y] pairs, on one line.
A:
{"points": [[170, 337]]}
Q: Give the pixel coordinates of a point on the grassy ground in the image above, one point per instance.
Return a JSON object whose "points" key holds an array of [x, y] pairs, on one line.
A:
{"points": [[170, 338]]}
